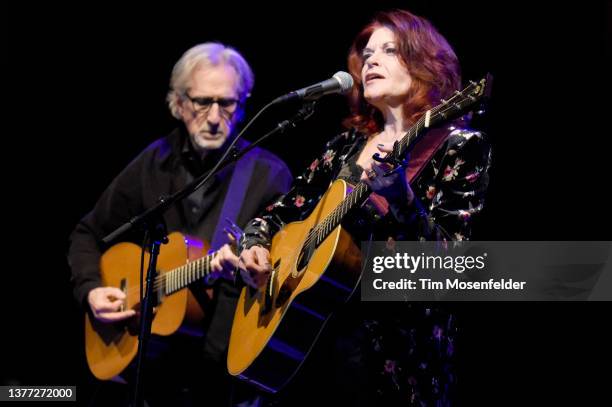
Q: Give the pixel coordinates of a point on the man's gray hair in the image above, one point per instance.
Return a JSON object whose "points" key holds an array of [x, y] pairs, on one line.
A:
{"points": [[204, 55]]}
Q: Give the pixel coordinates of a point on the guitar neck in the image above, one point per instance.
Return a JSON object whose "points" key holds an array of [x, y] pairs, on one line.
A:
{"points": [[180, 277], [331, 221]]}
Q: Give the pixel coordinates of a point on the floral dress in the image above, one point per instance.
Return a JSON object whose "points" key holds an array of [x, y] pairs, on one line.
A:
{"points": [[399, 353]]}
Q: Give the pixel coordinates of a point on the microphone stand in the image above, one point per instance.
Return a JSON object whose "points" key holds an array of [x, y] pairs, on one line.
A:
{"points": [[152, 222]]}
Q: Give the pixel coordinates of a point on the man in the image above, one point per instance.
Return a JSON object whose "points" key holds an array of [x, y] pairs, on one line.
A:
{"points": [[208, 89]]}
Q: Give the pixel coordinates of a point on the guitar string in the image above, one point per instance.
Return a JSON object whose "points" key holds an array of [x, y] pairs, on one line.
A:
{"points": [[183, 278]]}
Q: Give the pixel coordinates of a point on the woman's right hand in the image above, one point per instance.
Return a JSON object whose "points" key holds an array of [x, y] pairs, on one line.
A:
{"points": [[105, 303], [255, 267]]}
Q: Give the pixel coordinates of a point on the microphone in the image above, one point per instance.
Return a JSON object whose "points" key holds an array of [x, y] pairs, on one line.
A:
{"points": [[341, 82]]}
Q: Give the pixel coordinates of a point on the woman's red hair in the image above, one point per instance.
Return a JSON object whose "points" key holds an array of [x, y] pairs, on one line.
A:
{"points": [[429, 59]]}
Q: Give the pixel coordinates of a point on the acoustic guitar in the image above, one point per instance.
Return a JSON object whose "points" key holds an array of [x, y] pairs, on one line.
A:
{"points": [[110, 347]]}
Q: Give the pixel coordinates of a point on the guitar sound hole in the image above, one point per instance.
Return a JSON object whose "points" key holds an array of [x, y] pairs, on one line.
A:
{"points": [[305, 256]]}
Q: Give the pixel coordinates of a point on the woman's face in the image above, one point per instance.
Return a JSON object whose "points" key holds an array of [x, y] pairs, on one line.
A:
{"points": [[386, 80]]}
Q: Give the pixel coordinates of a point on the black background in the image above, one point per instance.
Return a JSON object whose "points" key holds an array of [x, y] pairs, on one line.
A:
{"points": [[86, 92]]}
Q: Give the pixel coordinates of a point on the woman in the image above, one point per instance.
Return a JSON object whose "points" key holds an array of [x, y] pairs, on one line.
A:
{"points": [[390, 352]]}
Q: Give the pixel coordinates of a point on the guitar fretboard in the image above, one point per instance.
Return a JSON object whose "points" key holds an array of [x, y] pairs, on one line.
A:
{"points": [[180, 277]]}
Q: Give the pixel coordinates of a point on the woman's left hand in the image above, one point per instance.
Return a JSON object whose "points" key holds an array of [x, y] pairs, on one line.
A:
{"points": [[395, 187]]}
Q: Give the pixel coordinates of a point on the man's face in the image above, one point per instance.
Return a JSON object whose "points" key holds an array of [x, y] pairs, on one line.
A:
{"points": [[209, 108]]}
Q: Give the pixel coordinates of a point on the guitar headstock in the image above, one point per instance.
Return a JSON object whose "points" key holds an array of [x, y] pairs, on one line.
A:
{"points": [[460, 102]]}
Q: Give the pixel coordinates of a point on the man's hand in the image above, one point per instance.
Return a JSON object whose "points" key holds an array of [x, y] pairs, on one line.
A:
{"points": [[224, 263], [105, 303]]}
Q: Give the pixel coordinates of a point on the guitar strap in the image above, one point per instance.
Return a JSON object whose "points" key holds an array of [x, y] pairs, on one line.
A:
{"points": [[235, 197], [420, 155]]}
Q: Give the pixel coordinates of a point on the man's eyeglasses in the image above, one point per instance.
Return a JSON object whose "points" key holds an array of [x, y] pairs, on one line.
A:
{"points": [[202, 105]]}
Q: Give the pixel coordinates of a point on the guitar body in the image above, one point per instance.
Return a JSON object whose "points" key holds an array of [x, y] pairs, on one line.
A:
{"points": [[275, 327], [111, 347]]}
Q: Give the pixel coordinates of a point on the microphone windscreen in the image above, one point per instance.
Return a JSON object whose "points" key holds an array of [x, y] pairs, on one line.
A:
{"points": [[345, 79]]}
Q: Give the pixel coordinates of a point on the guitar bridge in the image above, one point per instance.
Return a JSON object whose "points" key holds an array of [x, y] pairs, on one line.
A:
{"points": [[270, 285]]}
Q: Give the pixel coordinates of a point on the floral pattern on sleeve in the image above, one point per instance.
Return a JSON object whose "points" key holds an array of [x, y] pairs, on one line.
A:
{"points": [[452, 186]]}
